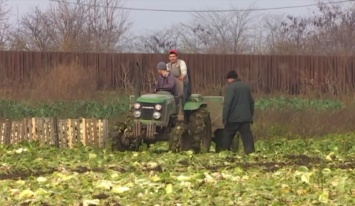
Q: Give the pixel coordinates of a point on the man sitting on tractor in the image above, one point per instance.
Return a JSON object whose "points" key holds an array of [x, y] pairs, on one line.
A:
{"points": [[165, 80], [179, 70]]}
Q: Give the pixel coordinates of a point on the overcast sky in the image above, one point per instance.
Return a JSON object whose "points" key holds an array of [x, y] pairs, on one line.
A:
{"points": [[158, 20]]}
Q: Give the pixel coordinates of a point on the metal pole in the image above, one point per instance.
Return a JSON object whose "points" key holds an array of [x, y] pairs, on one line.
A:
{"points": [[138, 80]]}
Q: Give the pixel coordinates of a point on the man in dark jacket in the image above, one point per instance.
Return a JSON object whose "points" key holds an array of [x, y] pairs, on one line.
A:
{"points": [[165, 80], [238, 112]]}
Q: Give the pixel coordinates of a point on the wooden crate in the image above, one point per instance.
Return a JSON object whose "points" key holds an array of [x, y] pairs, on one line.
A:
{"points": [[58, 132]]}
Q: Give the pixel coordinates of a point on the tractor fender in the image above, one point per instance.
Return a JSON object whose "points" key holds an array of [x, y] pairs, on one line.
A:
{"points": [[190, 106]]}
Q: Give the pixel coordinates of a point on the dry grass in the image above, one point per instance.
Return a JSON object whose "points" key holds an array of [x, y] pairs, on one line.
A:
{"points": [[304, 124], [65, 82]]}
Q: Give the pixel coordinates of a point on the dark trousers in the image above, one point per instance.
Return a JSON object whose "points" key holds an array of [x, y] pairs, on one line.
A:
{"points": [[229, 132], [187, 91]]}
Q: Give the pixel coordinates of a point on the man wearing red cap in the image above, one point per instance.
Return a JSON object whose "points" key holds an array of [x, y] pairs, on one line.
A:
{"points": [[177, 67]]}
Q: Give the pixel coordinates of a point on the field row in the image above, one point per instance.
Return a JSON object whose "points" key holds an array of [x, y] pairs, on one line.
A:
{"points": [[94, 109]]}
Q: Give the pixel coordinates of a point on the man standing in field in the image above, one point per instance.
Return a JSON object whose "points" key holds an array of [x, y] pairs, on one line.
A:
{"points": [[238, 112], [177, 67]]}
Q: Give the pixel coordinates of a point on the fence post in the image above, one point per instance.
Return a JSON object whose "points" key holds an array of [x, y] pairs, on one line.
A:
{"points": [[105, 133], [33, 129], [84, 138], [55, 136], [70, 133], [23, 130], [8, 127]]}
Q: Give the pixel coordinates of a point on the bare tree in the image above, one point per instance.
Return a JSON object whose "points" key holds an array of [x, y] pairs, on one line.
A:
{"points": [[274, 39], [225, 33], [87, 25], [328, 31], [4, 24], [106, 25], [68, 21], [158, 41], [35, 32], [335, 25]]}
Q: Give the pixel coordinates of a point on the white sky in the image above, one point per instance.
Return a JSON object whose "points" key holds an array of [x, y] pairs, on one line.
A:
{"points": [[158, 20]]}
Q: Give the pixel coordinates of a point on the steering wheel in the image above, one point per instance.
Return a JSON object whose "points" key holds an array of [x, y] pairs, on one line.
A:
{"points": [[165, 90]]}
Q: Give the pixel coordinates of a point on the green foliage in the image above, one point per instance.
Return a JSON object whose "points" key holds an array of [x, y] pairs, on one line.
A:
{"points": [[281, 172], [297, 104], [63, 109], [86, 109]]}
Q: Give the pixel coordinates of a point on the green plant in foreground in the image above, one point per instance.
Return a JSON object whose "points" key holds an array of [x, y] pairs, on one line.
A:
{"points": [[298, 172]]}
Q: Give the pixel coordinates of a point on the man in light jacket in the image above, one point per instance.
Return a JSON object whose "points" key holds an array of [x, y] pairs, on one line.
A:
{"points": [[177, 67]]}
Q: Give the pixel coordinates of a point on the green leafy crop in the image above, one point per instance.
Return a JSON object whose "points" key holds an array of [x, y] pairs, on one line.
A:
{"points": [[294, 172]]}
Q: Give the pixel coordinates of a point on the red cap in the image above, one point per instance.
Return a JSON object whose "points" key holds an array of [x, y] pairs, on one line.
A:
{"points": [[173, 51]]}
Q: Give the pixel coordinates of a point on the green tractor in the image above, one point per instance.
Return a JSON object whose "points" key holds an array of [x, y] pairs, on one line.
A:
{"points": [[157, 117]]}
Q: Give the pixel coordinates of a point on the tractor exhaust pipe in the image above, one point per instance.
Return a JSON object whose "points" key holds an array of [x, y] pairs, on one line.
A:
{"points": [[137, 80]]}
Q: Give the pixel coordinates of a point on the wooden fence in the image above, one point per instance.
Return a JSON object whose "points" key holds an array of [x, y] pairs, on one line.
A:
{"points": [[57, 132], [264, 73]]}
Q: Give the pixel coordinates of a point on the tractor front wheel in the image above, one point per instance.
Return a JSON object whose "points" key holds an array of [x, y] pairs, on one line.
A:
{"points": [[117, 137], [178, 138], [121, 135], [200, 130]]}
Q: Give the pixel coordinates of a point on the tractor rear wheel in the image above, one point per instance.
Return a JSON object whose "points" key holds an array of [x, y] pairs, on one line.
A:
{"points": [[200, 130]]}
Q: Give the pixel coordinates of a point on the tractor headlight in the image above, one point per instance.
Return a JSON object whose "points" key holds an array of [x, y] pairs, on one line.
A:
{"points": [[156, 115], [137, 114], [137, 106], [158, 107]]}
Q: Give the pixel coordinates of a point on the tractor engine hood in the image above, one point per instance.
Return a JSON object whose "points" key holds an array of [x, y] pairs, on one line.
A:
{"points": [[154, 98]]}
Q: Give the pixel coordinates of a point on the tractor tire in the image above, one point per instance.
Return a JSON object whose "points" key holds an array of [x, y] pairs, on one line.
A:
{"points": [[121, 135], [116, 137], [178, 138], [200, 130]]}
